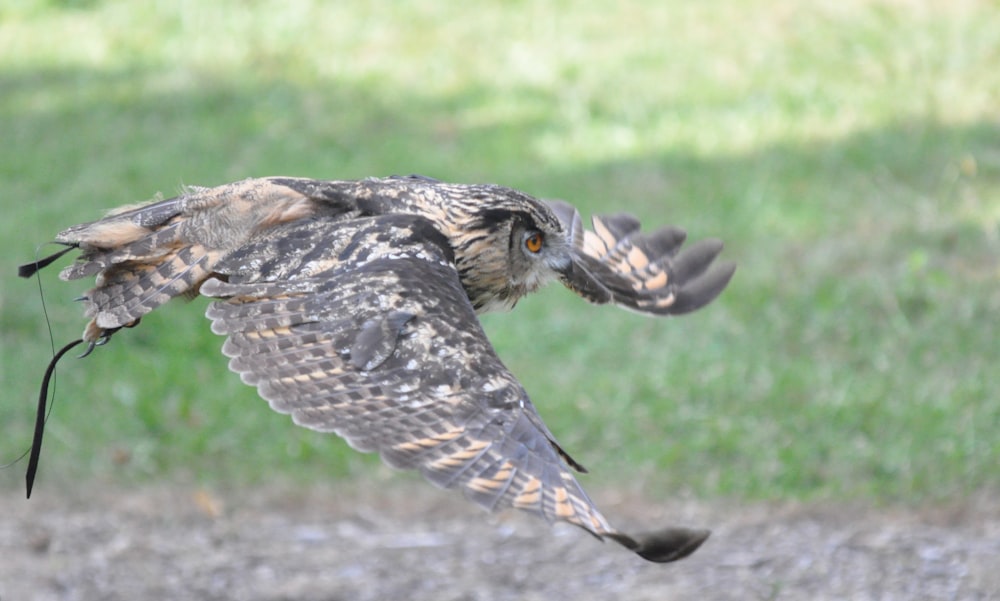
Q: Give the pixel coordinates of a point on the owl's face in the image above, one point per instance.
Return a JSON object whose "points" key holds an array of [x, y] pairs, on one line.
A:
{"points": [[510, 252]]}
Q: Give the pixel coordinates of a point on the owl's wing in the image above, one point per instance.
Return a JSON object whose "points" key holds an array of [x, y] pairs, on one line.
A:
{"points": [[646, 272], [368, 333]]}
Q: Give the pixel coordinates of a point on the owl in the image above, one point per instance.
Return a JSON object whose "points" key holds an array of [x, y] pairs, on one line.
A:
{"points": [[352, 306]]}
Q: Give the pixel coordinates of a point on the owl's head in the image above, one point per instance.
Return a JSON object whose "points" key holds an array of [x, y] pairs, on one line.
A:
{"points": [[511, 245]]}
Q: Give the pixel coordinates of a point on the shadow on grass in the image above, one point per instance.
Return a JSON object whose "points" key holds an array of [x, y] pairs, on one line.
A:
{"points": [[860, 326]]}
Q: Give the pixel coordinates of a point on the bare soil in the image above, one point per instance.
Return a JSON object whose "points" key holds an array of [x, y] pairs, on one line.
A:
{"points": [[404, 541]]}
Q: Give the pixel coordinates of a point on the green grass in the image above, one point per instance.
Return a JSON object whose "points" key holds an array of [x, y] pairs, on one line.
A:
{"points": [[849, 155]]}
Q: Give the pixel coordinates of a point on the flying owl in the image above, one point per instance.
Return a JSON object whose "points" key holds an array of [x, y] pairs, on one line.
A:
{"points": [[352, 306]]}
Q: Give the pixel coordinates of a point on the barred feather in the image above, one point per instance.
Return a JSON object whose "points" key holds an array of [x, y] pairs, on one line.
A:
{"points": [[648, 273]]}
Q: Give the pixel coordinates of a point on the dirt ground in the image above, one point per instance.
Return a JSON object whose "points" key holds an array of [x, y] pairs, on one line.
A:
{"points": [[408, 541]]}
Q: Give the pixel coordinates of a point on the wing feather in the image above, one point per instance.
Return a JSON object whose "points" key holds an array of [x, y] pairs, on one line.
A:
{"points": [[649, 273], [411, 376]]}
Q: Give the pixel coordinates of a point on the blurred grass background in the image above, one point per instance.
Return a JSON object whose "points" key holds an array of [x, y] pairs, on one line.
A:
{"points": [[847, 152]]}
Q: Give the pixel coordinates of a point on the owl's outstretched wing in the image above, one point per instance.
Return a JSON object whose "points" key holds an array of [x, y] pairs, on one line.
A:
{"points": [[366, 331], [646, 272]]}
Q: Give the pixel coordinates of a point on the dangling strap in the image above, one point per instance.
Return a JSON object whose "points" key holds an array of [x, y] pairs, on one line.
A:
{"points": [[36, 441], [29, 269]]}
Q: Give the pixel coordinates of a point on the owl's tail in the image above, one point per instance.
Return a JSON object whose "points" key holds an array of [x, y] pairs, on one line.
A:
{"points": [[142, 256]]}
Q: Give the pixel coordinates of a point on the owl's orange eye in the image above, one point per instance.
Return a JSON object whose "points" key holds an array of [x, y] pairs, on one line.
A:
{"points": [[534, 242]]}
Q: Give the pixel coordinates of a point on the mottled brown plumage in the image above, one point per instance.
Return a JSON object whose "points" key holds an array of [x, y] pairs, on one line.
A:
{"points": [[351, 306]]}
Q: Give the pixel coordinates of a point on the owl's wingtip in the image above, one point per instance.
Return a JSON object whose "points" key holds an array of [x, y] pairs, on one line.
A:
{"points": [[663, 546], [703, 289]]}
